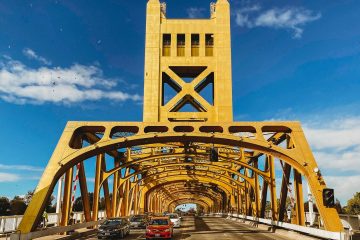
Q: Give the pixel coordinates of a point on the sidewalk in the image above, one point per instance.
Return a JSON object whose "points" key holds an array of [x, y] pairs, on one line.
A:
{"points": [[82, 232]]}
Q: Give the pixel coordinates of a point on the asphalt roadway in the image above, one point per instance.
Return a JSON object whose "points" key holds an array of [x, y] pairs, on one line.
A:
{"points": [[211, 228]]}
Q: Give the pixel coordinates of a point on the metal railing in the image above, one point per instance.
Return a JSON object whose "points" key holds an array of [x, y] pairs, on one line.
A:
{"points": [[9, 224]]}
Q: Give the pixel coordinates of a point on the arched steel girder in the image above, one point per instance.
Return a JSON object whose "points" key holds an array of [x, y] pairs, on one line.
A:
{"points": [[190, 197], [198, 173], [178, 181], [73, 156], [187, 201], [191, 189], [223, 185], [264, 174], [67, 157], [211, 178], [197, 192], [251, 181], [203, 194]]}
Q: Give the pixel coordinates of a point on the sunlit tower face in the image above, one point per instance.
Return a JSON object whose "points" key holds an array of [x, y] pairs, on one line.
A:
{"points": [[192, 59]]}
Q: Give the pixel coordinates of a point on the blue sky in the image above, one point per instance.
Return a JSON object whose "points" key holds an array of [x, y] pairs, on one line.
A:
{"points": [[292, 60]]}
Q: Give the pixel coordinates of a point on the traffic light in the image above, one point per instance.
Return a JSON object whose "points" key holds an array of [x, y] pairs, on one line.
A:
{"points": [[328, 197], [214, 155], [187, 151]]}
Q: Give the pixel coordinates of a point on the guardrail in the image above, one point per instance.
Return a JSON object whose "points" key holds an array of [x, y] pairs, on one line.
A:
{"points": [[348, 221], [9, 224], [288, 226]]}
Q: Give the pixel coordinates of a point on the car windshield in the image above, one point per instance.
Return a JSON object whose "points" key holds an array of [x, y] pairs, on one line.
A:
{"points": [[112, 222], [137, 218], [173, 216], [159, 222]]}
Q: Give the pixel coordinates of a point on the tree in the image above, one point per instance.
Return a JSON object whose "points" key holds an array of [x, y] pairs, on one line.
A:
{"points": [[338, 207], [353, 205], [17, 206], [78, 204], [4, 206], [50, 208], [28, 197]]}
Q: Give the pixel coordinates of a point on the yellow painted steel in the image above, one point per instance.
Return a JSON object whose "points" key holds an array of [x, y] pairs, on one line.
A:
{"points": [[165, 161]]}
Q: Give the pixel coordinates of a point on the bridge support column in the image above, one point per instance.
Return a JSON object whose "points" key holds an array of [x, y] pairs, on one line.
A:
{"points": [[125, 199], [115, 188], [65, 211], [84, 193], [264, 192], [284, 191], [256, 190], [106, 189], [136, 199], [299, 207], [274, 205], [97, 187]]}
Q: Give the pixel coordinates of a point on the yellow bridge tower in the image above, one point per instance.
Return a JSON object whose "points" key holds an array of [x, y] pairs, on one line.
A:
{"points": [[188, 55]]}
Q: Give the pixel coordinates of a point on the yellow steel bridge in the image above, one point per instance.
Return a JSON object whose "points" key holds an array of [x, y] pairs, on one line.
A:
{"points": [[187, 149]]}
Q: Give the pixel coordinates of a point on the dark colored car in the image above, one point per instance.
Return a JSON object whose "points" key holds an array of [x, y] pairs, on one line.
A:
{"points": [[138, 221], [114, 228], [159, 227]]}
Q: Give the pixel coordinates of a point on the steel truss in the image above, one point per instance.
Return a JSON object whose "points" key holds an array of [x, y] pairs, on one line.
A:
{"points": [[159, 166]]}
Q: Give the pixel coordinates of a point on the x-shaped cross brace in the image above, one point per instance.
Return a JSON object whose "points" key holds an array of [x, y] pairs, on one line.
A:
{"points": [[187, 92]]}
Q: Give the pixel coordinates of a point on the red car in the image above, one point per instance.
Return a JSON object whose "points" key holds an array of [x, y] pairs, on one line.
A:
{"points": [[159, 227]]}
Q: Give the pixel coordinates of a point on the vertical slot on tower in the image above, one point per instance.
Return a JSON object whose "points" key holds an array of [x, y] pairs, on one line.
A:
{"points": [[195, 44], [209, 45], [181, 45], [166, 45]]}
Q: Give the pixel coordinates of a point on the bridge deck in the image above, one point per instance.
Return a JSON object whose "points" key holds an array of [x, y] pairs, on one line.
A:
{"points": [[215, 228]]}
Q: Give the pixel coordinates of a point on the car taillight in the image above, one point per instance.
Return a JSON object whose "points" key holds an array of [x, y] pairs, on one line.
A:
{"points": [[167, 230], [148, 230]]}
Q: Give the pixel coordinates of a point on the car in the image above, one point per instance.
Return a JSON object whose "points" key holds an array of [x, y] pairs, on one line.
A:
{"points": [[138, 221], [175, 219], [159, 227], [114, 228]]}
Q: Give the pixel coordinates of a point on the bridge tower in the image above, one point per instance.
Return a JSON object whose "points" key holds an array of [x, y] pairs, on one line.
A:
{"points": [[188, 56], [187, 149]]}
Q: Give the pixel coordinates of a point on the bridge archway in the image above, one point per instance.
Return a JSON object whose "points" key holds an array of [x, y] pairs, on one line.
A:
{"points": [[68, 156]]}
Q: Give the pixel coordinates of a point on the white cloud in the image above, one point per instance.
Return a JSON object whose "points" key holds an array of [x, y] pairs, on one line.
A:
{"points": [[194, 12], [336, 144], [291, 18], [336, 147], [31, 54], [21, 167], [339, 133], [9, 177], [77, 83]]}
